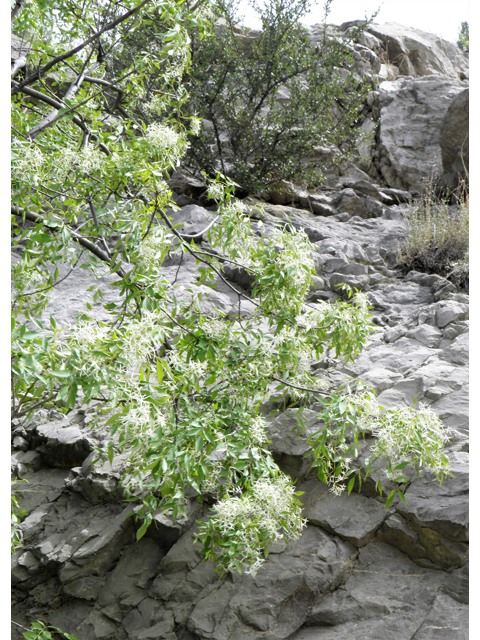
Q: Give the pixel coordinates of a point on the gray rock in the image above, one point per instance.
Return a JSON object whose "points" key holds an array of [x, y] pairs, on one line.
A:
{"points": [[447, 619], [20, 443], [194, 219], [454, 141], [412, 111], [64, 445], [387, 597], [458, 352], [453, 409], [127, 585], [355, 282], [418, 53], [425, 334], [274, 603], [42, 487], [100, 482], [354, 517], [443, 508], [451, 312]]}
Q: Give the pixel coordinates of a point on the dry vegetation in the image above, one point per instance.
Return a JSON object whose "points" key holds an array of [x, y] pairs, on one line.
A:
{"points": [[437, 240]]}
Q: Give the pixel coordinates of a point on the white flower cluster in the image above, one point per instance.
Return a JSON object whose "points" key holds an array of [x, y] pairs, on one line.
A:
{"points": [[256, 431], [368, 410], [295, 252], [315, 317], [216, 191], [190, 368], [29, 163], [157, 104], [151, 248], [268, 512], [89, 339], [216, 329], [337, 471], [195, 126], [165, 138], [413, 435], [141, 338], [86, 160], [361, 301]]}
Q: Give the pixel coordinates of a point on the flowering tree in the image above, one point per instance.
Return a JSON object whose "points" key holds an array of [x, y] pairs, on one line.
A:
{"points": [[93, 146]]}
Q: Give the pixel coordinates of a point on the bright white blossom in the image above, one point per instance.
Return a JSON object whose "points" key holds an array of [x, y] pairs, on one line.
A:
{"points": [[164, 137], [216, 191], [30, 161], [267, 513], [195, 126], [141, 338], [216, 328], [413, 435], [151, 248]]}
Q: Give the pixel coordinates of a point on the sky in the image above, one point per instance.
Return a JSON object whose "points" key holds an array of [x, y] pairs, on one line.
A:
{"points": [[442, 17]]}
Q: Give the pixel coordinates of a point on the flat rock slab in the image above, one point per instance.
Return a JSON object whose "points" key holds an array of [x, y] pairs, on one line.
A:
{"points": [[353, 517], [386, 597], [76, 538], [43, 486], [444, 507]]}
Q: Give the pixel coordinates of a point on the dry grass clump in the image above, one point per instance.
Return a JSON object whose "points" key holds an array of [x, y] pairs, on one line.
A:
{"points": [[437, 240]]}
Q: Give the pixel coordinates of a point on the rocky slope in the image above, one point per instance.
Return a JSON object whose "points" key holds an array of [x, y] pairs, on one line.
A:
{"points": [[358, 571]]}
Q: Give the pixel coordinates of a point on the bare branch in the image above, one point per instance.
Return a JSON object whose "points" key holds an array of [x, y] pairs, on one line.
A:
{"points": [[15, 11]]}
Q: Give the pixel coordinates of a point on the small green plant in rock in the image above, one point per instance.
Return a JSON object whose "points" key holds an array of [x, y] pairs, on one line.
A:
{"points": [[463, 41]]}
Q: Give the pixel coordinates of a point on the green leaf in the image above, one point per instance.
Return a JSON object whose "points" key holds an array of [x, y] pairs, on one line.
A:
{"points": [[389, 501], [61, 373], [351, 484]]}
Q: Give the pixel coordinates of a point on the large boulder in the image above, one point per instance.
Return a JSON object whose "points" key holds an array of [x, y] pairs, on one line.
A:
{"points": [[454, 141], [417, 53], [412, 111]]}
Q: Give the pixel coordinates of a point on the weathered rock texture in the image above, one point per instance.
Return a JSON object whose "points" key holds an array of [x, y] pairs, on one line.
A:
{"points": [[454, 141], [358, 571]]}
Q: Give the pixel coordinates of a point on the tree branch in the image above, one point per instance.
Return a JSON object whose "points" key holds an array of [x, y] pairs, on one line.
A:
{"points": [[17, 8], [38, 219], [85, 43], [54, 103], [72, 90]]}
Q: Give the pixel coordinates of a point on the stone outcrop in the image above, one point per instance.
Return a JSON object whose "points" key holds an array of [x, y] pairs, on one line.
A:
{"points": [[454, 141], [412, 112]]}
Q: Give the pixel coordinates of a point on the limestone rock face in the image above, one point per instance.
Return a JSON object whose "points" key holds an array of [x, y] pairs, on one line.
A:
{"points": [[417, 53], [412, 111], [454, 140]]}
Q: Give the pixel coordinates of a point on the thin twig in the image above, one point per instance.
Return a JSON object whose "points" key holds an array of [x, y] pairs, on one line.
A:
{"points": [[31, 293]]}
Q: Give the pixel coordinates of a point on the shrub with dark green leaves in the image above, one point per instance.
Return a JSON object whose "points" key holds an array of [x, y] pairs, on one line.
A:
{"points": [[268, 99]]}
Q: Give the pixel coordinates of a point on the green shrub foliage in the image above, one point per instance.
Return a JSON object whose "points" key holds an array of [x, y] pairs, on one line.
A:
{"points": [[463, 41], [97, 127], [269, 99]]}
